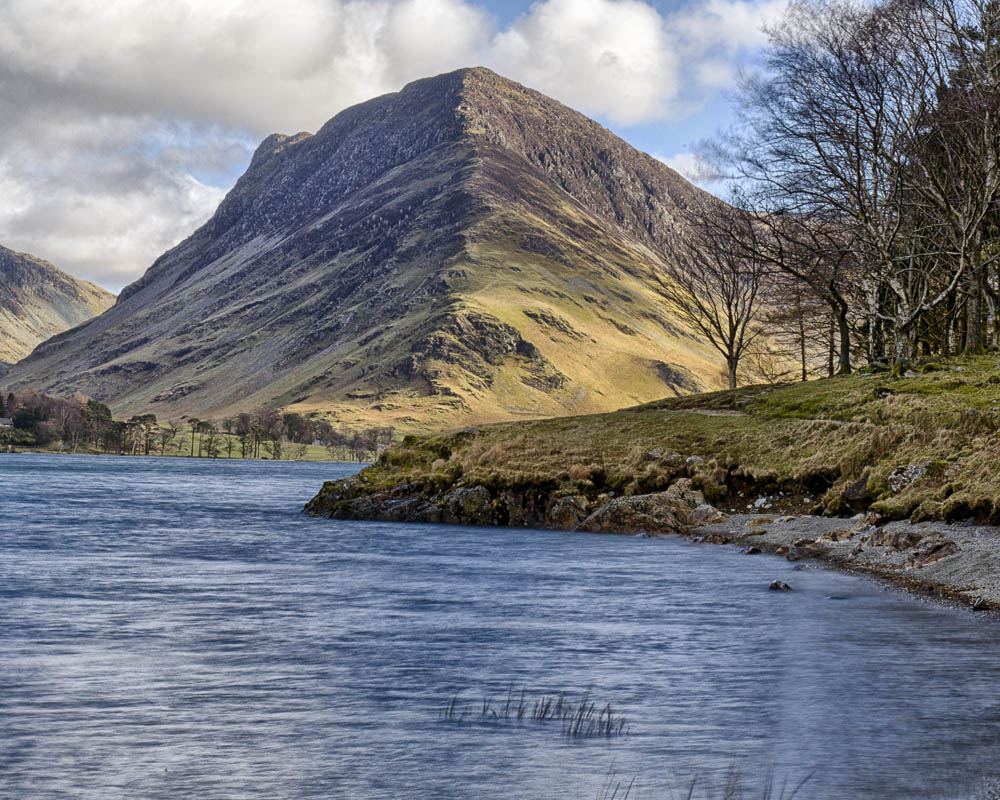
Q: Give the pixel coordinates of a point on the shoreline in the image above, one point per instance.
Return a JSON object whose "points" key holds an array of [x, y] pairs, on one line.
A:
{"points": [[963, 578], [953, 563]]}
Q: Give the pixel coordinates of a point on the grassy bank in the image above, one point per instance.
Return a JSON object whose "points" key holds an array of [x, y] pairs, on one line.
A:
{"points": [[924, 446]]}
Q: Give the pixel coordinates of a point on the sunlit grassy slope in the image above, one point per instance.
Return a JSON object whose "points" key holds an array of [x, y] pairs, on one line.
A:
{"points": [[833, 444]]}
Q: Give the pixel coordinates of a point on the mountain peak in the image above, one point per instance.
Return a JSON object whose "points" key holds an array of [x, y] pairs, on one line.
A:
{"points": [[466, 249]]}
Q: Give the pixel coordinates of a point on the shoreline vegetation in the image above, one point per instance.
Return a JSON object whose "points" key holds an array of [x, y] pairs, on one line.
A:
{"points": [[912, 458], [79, 424]]}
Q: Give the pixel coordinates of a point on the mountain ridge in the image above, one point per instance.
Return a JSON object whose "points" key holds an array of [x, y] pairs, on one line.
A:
{"points": [[39, 300], [348, 271]]}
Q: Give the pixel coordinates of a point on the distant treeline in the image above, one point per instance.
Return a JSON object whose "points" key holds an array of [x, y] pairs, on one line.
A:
{"points": [[80, 424]]}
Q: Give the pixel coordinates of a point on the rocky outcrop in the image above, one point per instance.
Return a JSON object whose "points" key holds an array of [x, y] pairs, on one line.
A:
{"points": [[672, 511], [38, 301], [438, 256], [664, 512], [566, 513]]}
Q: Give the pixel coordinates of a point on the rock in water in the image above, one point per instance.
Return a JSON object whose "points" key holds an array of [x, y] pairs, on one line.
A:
{"points": [[779, 586]]}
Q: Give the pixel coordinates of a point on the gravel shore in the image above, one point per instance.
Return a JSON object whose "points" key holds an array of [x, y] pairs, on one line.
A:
{"points": [[956, 563]]}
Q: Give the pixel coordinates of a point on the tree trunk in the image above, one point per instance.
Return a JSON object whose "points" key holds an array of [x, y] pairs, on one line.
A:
{"points": [[844, 329], [732, 363], [974, 316], [831, 347], [903, 345]]}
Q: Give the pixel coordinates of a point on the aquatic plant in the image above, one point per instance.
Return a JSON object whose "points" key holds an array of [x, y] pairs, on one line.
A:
{"points": [[735, 786], [583, 719]]}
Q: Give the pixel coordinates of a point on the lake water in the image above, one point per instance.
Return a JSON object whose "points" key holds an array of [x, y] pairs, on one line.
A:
{"points": [[175, 628]]}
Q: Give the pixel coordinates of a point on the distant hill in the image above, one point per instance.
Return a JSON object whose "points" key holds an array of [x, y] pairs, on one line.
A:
{"points": [[38, 300], [465, 250]]}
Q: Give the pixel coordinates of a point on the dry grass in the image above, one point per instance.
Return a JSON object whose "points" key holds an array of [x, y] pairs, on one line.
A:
{"points": [[814, 439]]}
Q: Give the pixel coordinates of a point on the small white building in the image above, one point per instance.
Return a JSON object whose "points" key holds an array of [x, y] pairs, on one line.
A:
{"points": [[6, 423]]}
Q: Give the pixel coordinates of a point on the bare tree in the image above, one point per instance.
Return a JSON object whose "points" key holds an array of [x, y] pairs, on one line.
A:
{"points": [[168, 433], [868, 144], [714, 282]]}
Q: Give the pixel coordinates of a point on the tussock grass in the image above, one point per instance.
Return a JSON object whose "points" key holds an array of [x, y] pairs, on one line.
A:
{"points": [[577, 720]]}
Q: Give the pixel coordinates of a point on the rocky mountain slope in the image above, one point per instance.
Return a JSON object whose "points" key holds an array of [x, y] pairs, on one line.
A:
{"points": [[38, 300], [465, 250]]}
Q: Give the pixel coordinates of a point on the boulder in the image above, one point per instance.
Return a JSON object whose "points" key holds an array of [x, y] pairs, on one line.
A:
{"points": [[901, 477], [567, 512], [838, 535], [895, 540], [525, 508], [662, 512], [779, 586], [750, 551], [692, 463], [684, 491], [705, 514], [467, 505], [857, 492], [932, 548], [805, 548]]}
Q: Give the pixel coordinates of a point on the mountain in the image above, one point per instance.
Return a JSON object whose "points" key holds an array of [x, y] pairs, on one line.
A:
{"points": [[38, 300], [464, 250]]}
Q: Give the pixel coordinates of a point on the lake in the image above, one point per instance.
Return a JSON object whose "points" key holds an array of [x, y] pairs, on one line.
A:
{"points": [[174, 628]]}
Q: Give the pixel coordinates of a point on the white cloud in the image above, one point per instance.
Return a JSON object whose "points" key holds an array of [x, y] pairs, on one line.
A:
{"points": [[691, 167], [254, 64], [612, 57], [110, 197], [684, 163], [110, 108]]}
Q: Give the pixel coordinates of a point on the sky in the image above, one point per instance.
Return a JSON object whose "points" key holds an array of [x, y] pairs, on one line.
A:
{"points": [[124, 122]]}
